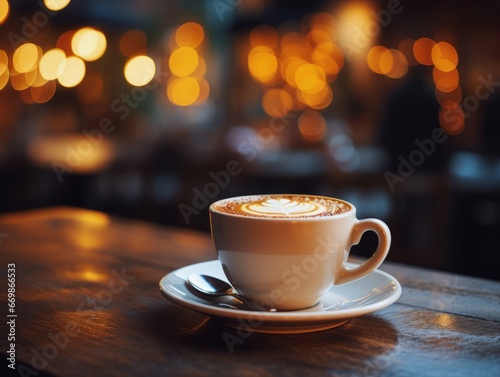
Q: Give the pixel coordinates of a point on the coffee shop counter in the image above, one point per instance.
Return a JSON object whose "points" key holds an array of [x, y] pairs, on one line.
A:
{"points": [[80, 297]]}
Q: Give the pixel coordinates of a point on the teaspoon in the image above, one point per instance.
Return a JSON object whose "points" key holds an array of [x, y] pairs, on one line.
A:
{"points": [[213, 286]]}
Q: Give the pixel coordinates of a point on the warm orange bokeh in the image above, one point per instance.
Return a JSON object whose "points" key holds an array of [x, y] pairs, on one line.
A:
{"points": [[4, 78], [183, 91], [64, 41], [73, 72], [52, 64], [312, 126], [89, 44], [317, 101], [26, 57], [262, 64], [277, 102], [451, 118], [298, 66], [373, 59], [190, 34], [4, 10], [329, 57], [187, 85], [445, 81], [183, 61], [444, 56], [56, 5], [43, 93], [21, 81], [310, 78], [399, 65], [422, 50], [139, 70]]}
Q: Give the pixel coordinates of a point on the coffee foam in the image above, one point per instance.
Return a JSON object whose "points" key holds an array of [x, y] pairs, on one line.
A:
{"points": [[282, 206]]}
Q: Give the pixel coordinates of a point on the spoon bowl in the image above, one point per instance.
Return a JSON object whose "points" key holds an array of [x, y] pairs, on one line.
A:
{"points": [[212, 286]]}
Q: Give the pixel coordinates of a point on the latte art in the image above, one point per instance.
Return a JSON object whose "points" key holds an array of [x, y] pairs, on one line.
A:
{"points": [[283, 207]]}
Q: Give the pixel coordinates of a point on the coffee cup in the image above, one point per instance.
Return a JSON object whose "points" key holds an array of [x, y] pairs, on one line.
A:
{"points": [[284, 252]]}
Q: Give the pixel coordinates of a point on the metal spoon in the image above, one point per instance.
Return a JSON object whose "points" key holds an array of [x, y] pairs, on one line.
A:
{"points": [[213, 286]]}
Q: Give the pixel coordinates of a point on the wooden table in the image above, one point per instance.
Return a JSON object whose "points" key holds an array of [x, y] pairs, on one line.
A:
{"points": [[87, 304]]}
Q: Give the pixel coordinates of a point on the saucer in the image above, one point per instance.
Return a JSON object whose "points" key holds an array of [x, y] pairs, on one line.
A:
{"points": [[341, 303]]}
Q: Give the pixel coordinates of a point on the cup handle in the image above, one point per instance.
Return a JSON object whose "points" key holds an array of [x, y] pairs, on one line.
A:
{"points": [[384, 242]]}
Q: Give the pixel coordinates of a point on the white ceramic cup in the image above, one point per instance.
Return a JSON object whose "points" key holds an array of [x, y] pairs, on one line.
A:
{"points": [[290, 263]]}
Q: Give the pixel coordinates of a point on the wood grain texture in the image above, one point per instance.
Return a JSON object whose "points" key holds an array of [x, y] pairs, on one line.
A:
{"points": [[87, 297]]}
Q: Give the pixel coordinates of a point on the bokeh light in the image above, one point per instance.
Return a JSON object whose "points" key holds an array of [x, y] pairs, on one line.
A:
{"points": [[329, 57], [56, 5], [373, 58], [276, 102], [201, 69], [52, 64], [45, 150], [190, 34], [183, 61], [262, 64], [204, 91], [445, 81], [353, 20], [386, 62], [317, 101], [317, 36], [310, 78], [73, 72], [400, 65], [183, 91], [140, 70], [444, 56], [43, 93], [187, 86], [64, 42], [289, 68], [4, 78], [89, 44], [39, 79], [26, 97], [296, 68], [422, 50], [326, 63], [312, 126], [389, 62], [26, 57], [451, 118], [4, 10], [22, 80], [4, 61]]}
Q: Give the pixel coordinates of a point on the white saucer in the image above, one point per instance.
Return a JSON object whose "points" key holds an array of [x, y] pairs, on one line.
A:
{"points": [[341, 303]]}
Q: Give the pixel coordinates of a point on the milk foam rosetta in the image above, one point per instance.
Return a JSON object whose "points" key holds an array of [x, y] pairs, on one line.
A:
{"points": [[283, 207]]}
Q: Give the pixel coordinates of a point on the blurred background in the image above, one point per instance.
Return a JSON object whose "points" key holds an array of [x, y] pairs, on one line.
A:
{"points": [[153, 109]]}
